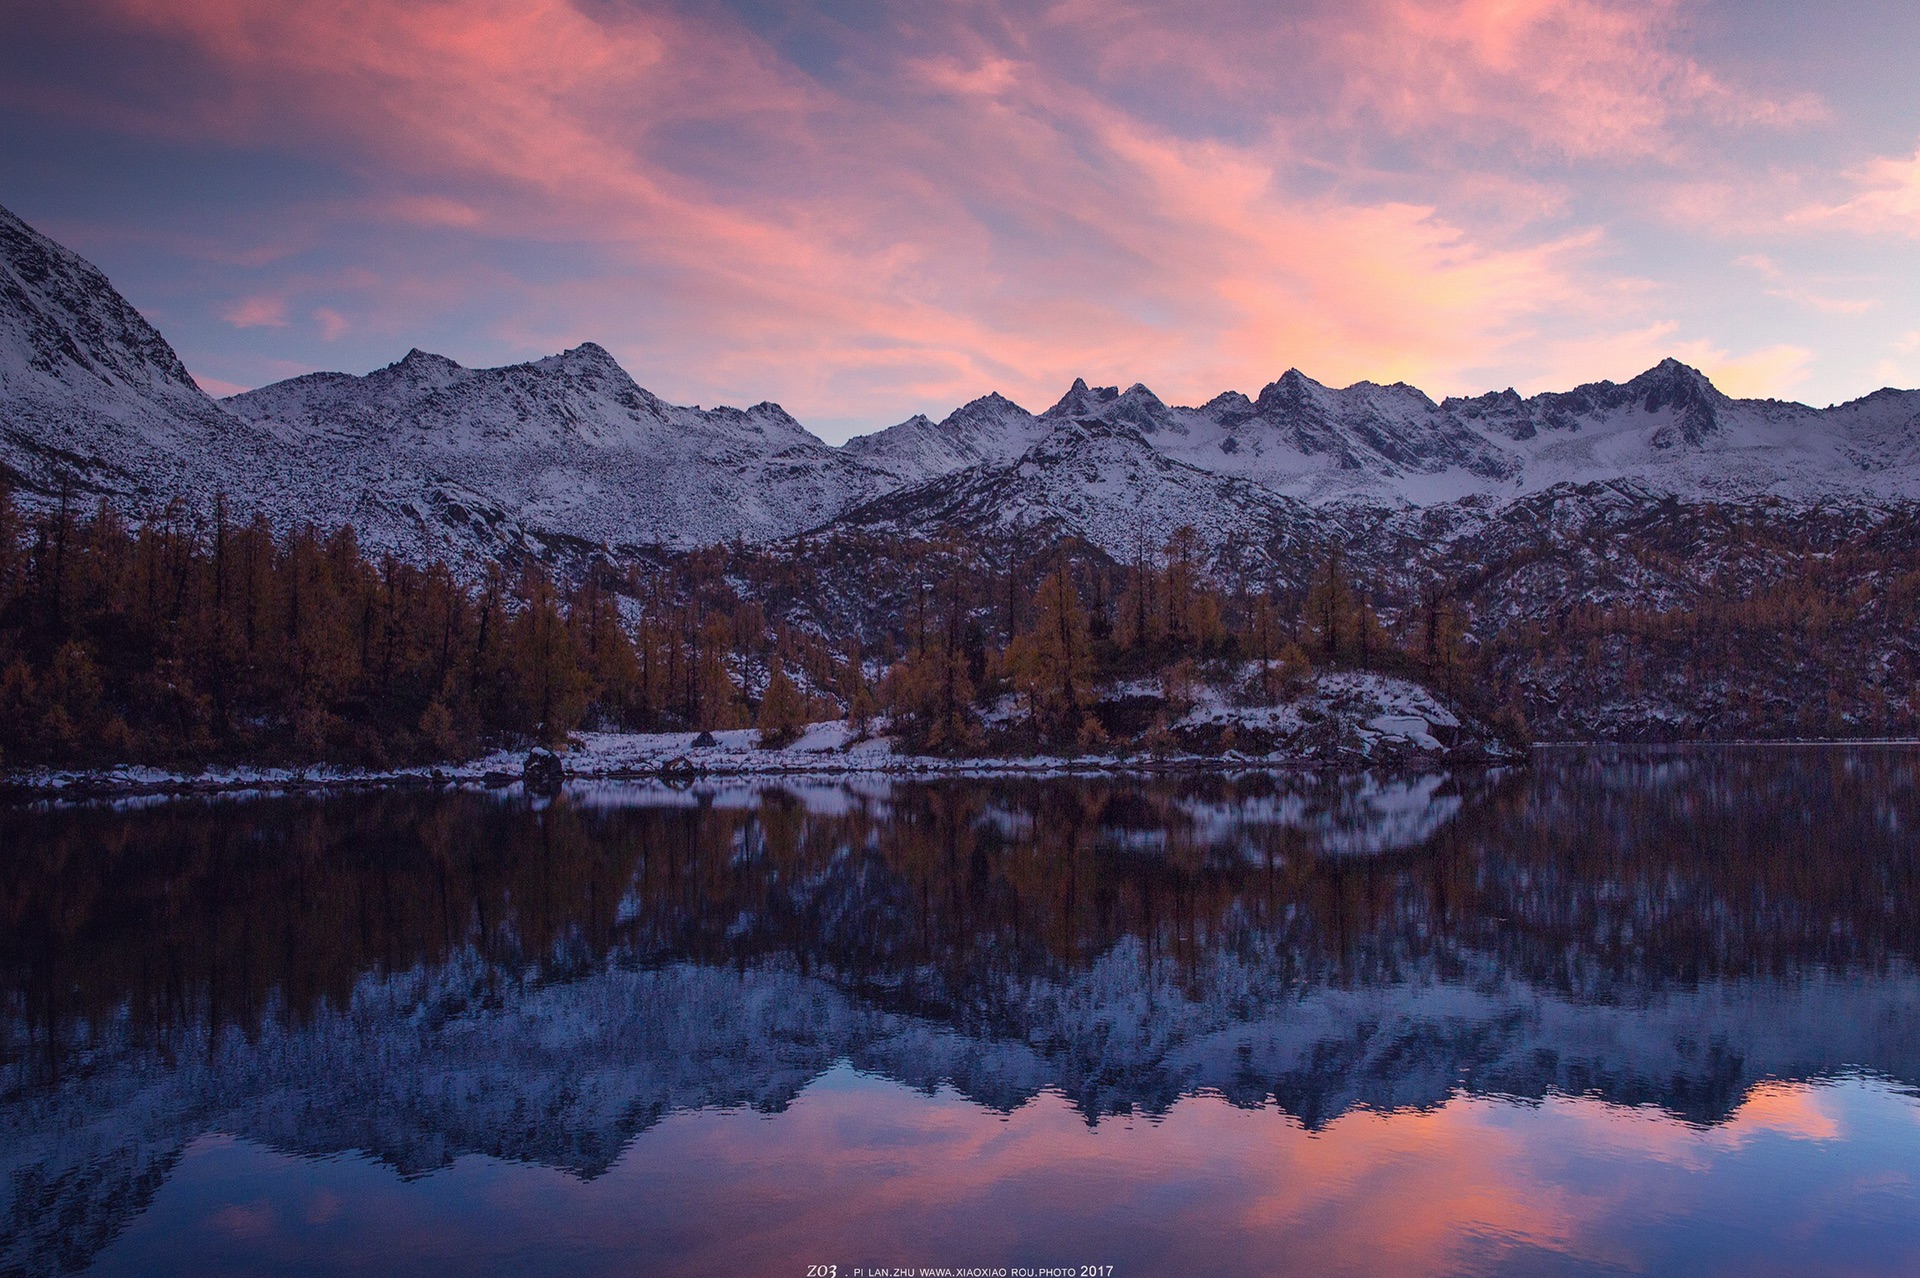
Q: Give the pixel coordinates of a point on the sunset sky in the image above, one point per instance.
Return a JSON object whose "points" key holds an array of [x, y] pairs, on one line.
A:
{"points": [[866, 210]]}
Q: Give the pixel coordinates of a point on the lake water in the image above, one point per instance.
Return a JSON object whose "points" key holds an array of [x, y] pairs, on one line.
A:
{"points": [[1617, 1013]]}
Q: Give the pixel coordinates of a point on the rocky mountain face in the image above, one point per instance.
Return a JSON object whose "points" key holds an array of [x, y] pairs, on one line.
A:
{"points": [[1100, 481]]}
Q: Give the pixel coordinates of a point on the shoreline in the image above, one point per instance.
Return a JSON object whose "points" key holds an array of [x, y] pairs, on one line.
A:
{"points": [[500, 770], [129, 783]]}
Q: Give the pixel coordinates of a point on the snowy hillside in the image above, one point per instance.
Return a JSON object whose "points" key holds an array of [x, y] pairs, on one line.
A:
{"points": [[1105, 482], [566, 446], [1668, 429], [427, 457], [991, 430], [91, 396]]}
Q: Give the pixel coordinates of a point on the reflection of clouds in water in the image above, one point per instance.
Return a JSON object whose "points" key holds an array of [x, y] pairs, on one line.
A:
{"points": [[249, 1221], [419, 1071], [860, 1167], [578, 974]]}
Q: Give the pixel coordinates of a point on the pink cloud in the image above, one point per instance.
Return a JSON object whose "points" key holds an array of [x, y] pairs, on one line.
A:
{"points": [[976, 213], [1582, 77], [1887, 202], [257, 312], [333, 325]]}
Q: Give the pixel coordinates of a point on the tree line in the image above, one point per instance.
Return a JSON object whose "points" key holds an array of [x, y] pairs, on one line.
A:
{"points": [[1156, 627], [203, 640], [189, 638]]}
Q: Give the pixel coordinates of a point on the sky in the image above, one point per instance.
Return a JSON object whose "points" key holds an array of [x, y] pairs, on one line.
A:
{"points": [[869, 209]]}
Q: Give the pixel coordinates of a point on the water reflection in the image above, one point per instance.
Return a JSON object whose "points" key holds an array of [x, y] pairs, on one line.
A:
{"points": [[433, 978]]}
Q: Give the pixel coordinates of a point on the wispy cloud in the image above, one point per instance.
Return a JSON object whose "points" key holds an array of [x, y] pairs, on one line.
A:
{"points": [[257, 312], [1582, 78], [1887, 201], [867, 219]]}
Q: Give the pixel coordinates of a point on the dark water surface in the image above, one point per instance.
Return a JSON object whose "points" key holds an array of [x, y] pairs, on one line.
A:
{"points": [[1617, 1013]]}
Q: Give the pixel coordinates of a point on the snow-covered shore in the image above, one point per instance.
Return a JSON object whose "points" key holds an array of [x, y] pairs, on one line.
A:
{"points": [[1344, 721]]}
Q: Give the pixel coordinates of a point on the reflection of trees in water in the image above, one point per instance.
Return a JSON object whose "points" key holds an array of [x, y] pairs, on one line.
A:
{"points": [[1653, 928], [1596, 877]]}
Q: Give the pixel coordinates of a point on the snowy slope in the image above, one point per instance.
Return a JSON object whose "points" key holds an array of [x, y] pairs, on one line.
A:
{"points": [[91, 396], [1104, 482], [424, 456], [1668, 430], [427, 457], [566, 445], [992, 430]]}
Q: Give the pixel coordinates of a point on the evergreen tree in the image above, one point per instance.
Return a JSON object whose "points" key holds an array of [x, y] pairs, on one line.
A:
{"points": [[783, 711], [1342, 624], [1051, 664]]}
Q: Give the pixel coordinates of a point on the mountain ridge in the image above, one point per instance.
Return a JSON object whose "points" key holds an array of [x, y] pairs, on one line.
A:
{"points": [[428, 457]]}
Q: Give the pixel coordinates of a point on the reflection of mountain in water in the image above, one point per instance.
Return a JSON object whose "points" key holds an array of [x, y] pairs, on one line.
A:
{"points": [[426, 976]]}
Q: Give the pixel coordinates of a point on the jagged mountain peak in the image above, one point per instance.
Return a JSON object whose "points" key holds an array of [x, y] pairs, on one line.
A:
{"points": [[588, 358], [415, 358], [1091, 477], [991, 407], [991, 428], [992, 399], [1291, 389], [419, 371], [1691, 403], [1673, 367], [1082, 400], [1229, 407], [1137, 405], [1672, 382], [1503, 412]]}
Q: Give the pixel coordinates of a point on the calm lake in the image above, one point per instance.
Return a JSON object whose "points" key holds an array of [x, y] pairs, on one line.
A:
{"points": [[1620, 1012]]}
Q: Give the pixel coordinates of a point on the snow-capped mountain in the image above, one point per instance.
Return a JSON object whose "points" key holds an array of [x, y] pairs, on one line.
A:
{"points": [[1102, 481], [424, 457], [563, 446], [427, 457], [1669, 429], [990, 430]]}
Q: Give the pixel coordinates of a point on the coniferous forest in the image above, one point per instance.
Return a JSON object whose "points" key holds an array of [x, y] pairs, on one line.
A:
{"points": [[187, 640], [197, 638]]}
